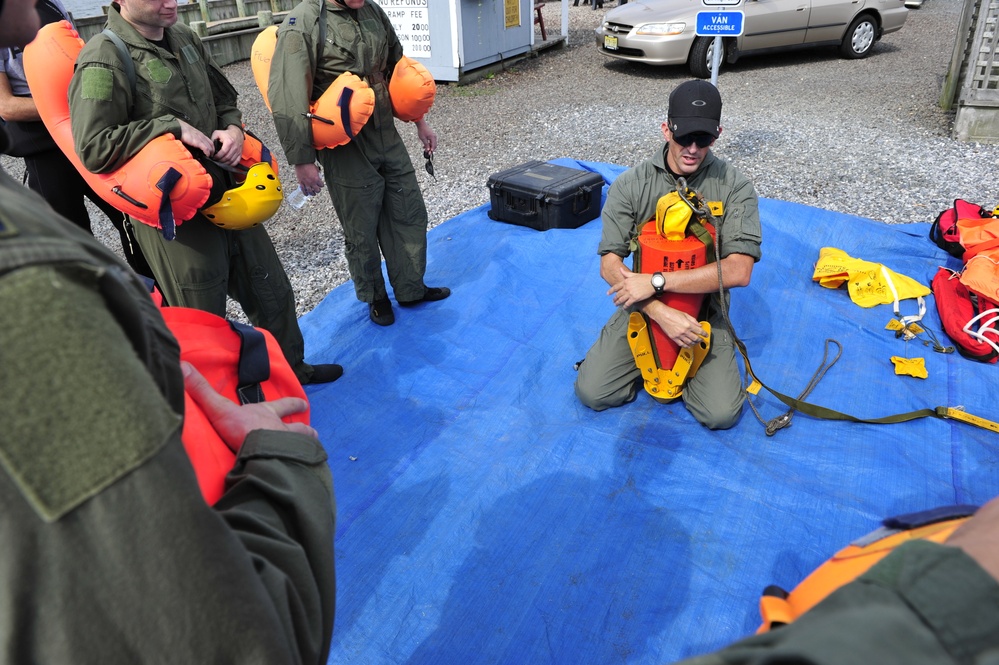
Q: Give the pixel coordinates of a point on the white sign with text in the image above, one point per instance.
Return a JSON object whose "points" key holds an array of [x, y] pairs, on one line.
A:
{"points": [[411, 20]]}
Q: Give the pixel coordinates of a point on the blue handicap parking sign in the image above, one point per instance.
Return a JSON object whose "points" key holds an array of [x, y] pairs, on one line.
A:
{"points": [[720, 23]]}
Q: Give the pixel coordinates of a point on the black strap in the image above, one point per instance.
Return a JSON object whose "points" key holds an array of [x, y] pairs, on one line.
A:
{"points": [[322, 33], [126, 58], [925, 517], [166, 185], [254, 363], [344, 103]]}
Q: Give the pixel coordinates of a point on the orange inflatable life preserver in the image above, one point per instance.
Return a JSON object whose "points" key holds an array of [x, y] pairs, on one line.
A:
{"points": [[339, 113], [163, 165], [241, 362], [412, 90], [261, 54], [778, 607], [666, 246]]}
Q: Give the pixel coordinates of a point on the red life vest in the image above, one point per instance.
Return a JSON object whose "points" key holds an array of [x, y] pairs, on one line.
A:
{"points": [[661, 247], [659, 254], [241, 362], [967, 301], [959, 310], [945, 231]]}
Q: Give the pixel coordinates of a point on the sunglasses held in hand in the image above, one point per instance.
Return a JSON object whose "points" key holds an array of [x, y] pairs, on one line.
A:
{"points": [[429, 166]]}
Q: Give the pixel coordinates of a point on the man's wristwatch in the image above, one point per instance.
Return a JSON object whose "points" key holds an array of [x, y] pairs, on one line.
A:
{"points": [[659, 282]]}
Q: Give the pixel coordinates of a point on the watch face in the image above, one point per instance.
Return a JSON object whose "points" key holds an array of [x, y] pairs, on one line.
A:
{"points": [[658, 281]]}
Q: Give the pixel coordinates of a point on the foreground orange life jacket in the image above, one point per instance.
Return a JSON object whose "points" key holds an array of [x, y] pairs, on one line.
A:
{"points": [[778, 607], [242, 363]]}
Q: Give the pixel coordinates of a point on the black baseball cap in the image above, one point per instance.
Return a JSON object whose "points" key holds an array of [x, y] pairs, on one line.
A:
{"points": [[694, 106]]}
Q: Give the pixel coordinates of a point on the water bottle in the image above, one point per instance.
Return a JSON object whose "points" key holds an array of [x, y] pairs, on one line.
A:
{"points": [[297, 199]]}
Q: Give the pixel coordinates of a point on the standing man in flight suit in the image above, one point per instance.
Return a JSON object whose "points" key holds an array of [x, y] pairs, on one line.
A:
{"points": [[371, 179]]}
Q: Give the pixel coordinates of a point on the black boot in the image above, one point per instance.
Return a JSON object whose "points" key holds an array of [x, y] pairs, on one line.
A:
{"points": [[380, 312]]}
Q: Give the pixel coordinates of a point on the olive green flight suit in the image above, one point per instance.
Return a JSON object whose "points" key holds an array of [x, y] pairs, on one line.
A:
{"points": [[110, 554], [204, 263], [370, 179]]}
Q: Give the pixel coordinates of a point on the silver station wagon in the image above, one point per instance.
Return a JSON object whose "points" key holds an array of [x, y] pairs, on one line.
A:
{"points": [[661, 32]]}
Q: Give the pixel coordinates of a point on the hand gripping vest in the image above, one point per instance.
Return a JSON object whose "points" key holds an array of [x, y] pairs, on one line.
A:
{"points": [[675, 240], [242, 363]]}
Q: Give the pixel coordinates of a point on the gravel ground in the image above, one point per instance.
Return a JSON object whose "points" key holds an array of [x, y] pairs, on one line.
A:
{"points": [[860, 137]]}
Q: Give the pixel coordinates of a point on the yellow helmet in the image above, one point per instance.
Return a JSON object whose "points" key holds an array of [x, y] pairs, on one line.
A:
{"points": [[249, 204]]}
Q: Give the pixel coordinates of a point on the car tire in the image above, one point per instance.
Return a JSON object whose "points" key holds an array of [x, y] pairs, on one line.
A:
{"points": [[699, 60], [858, 42]]}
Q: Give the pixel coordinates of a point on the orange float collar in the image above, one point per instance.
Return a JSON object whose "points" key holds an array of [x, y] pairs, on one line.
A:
{"points": [[162, 185], [778, 607], [339, 113]]}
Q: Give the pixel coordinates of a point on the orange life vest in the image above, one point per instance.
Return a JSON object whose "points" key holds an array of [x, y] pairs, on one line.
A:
{"points": [[339, 113], [244, 364], [412, 90], [163, 185]]}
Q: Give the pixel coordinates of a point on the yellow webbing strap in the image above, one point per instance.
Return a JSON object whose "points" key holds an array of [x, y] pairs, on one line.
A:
{"points": [[664, 384], [955, 413]]}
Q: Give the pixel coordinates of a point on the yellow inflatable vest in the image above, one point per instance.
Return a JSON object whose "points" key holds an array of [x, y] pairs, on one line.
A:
{"points": [[339, 113], [868, 283]]}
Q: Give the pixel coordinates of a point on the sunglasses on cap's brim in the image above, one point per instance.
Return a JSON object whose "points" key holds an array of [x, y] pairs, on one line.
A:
{"points": [[702, 139]]}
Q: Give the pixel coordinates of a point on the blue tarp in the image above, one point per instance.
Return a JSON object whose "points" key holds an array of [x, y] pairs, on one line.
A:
{"points": [[485, 516]]}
